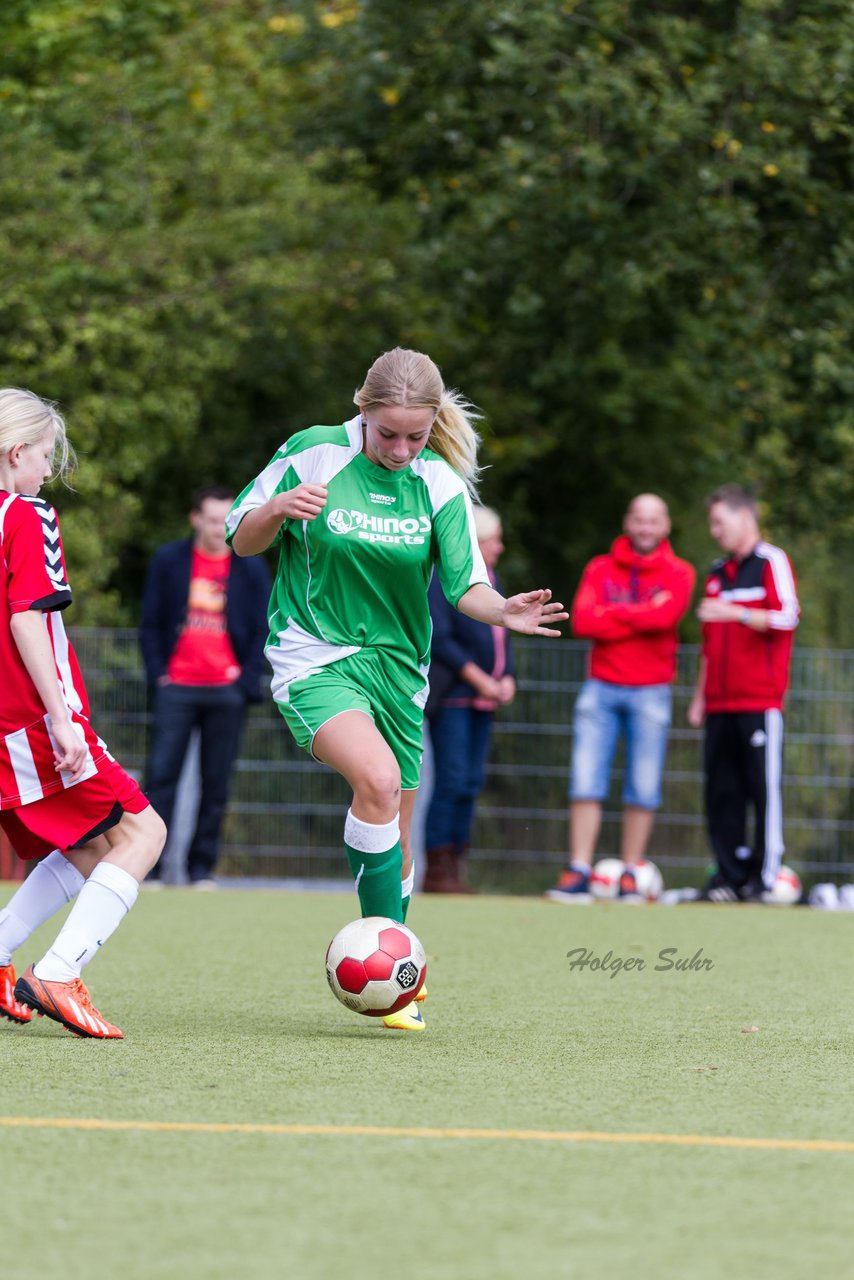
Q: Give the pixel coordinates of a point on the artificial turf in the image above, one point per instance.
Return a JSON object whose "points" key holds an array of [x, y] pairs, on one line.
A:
{"points": [[229, 1021]]}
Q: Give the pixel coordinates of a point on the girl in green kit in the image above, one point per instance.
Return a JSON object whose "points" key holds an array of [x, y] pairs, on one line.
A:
{"points": [[362, 513]]}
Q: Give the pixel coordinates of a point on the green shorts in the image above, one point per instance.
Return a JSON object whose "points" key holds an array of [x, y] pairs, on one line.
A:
{"points": [[370, 681]]}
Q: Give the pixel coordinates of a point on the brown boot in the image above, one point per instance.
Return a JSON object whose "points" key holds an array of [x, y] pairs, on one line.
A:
{"points": [[440, 876], [459, 859]]}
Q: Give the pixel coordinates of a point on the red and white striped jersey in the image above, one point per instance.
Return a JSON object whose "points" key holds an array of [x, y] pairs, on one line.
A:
{"points": [[746, 669], [33, 576]]}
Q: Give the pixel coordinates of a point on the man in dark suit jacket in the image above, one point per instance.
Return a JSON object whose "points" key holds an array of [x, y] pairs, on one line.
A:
{"points": [[202, 635]]}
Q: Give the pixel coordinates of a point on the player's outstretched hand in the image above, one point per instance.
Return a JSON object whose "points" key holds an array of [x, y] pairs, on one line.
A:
{"points": [[531, 611]]}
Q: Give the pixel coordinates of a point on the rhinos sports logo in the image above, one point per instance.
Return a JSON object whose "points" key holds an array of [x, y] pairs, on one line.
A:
{"points": [[389, 529]]}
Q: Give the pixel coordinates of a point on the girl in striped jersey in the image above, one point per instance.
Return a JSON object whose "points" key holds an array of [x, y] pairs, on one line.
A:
{"points": [[63, 798], [360, 514]]}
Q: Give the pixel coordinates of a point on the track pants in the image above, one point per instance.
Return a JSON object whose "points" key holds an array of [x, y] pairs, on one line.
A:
{"points": [[743, 756]]}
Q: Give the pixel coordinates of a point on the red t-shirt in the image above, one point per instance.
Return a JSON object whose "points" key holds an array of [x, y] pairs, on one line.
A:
{"points": [[33, 576], [634, 638], [204, 654]]}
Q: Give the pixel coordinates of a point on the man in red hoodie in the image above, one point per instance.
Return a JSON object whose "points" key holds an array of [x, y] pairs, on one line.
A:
{"points": [[629, 604], [749, 614]]}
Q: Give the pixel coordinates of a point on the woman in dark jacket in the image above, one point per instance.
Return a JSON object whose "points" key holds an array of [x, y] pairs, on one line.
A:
{"points": [[470, 675]]}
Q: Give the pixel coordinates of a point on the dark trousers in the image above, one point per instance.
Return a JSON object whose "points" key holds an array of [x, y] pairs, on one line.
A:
{"points": [[460, 738], [743, 756], [217, 711]]}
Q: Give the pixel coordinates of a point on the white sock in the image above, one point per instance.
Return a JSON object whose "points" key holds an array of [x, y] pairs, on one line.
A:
{"points": [[371, 837], [104, 901], [50, 885], [408, 884]]}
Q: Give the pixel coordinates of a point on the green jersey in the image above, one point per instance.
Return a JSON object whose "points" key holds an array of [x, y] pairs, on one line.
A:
{"points": [[356, 577]]}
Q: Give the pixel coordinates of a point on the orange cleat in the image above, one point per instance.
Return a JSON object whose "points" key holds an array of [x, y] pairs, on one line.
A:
{"points": [[65, 1002], [10, 1007]]}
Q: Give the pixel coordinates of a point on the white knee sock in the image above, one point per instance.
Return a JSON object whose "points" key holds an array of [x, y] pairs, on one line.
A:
{"points": [[105, 899], [50, 885]]}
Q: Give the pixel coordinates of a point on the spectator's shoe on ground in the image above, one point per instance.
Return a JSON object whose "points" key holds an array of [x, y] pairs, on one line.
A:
{"points": [[628, 883], [422, 995], [572, 886], [627, 889], [65, 1002], [205, 884], [409, 1018], [10, 1007], [718, 893]]}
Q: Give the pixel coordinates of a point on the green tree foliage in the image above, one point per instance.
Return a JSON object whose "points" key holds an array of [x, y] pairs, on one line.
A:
{"points": [[170, 270], [637, 222], [623, 228]]}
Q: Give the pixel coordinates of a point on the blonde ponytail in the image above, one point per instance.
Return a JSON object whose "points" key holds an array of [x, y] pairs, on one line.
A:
{"points": [[411, 379]]}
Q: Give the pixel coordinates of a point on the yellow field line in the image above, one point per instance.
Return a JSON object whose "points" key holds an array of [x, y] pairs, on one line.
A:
{"points": [[380, 1131]]}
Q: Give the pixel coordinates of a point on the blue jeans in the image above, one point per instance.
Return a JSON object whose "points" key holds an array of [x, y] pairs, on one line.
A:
{"points": [[460, 738], [603, 711], [217, 711]]}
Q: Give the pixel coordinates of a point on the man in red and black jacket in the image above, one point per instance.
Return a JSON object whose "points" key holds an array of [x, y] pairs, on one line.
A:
{"points": [[749, 613], [629, 604]]}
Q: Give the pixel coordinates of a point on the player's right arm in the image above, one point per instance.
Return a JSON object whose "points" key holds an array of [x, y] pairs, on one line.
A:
{"points": [[259, 527], [31, 638]]}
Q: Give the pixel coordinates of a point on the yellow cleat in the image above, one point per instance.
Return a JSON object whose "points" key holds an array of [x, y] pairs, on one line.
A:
{"points": [[409, 1018], [422, 995]]}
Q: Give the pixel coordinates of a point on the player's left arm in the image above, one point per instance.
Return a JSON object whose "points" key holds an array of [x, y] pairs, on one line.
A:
{"points": [[532, 612], [784, 611], [31, 638]]}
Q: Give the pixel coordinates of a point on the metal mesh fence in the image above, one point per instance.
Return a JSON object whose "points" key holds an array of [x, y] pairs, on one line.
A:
{"points": [[286, 812]]}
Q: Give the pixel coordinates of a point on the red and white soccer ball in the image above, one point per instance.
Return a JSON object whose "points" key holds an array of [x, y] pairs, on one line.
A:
{"points": [[787, 888], [605, 878], [649, 880], [375, 966]]}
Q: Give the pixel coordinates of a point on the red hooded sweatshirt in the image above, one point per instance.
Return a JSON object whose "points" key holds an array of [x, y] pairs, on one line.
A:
{"points": [[630, 605]]}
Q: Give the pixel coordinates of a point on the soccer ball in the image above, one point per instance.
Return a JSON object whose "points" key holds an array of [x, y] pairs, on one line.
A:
{"points": [[787, 888], [605, 878], [375, 966], [649, 880]]}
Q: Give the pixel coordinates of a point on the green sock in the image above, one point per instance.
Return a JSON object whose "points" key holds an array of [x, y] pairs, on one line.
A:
{"points": [[377, 877], [404, 907]]}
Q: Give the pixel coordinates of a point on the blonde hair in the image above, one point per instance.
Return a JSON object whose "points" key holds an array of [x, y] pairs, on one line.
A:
{"points": [[25, 419], [411, 379], [486, 522]]}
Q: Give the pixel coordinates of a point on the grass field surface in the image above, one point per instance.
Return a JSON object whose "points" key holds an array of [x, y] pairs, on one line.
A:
{"points": [[690, 1116]]}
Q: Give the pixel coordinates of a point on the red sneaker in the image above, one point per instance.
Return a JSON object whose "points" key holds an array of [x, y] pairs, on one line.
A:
{"points": [[10, 1007], [65, 1002]]}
